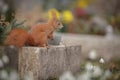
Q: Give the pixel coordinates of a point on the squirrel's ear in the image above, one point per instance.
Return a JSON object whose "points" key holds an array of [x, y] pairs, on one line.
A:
{"points": [[53, 13]]}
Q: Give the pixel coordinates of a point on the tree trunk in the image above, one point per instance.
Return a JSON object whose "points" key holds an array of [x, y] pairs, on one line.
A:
{"points": [[41, 63]]}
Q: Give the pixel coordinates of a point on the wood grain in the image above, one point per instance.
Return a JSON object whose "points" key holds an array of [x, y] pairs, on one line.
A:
{"points": [[41, 63]]}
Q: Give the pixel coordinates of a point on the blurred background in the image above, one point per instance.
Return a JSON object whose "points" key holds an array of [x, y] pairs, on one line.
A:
{"points": [[78, 16], [93, 24]]}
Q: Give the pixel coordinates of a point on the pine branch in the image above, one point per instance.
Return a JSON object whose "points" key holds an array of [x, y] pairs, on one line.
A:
{"points": [[18, 25]]}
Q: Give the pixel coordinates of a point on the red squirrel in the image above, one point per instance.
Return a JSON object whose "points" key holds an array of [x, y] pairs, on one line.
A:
{"points": [[38, 34], [42, 31]]}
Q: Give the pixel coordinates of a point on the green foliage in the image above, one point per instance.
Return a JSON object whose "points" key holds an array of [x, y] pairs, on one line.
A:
{"points": [[14, 24]]}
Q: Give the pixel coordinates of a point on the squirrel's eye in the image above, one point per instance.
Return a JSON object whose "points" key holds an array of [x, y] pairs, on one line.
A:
{"points": [[58, 23]]}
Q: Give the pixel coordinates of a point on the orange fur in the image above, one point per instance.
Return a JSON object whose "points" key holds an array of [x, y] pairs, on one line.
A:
{"points": [[17, 37], [38, 35], [42, 31]]}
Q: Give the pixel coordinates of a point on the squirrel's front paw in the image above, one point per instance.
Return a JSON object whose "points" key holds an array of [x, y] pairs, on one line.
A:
{"points": [[47, 47]]}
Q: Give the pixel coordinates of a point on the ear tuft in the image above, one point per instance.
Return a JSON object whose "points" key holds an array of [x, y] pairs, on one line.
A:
{"points": [[53, 14]]}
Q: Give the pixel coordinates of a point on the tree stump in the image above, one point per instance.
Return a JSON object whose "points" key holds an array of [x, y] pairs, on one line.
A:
{"points": [[42, 63]]}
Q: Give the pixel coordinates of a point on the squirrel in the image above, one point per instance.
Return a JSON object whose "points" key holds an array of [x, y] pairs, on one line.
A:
{"points": [[38, 34], [42, 31]]}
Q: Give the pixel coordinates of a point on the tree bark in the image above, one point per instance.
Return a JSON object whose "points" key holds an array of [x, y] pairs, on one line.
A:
{"points": [[41, 63]]}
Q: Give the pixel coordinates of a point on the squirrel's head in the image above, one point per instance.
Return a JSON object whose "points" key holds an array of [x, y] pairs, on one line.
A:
{"points": [[56, 22]]}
